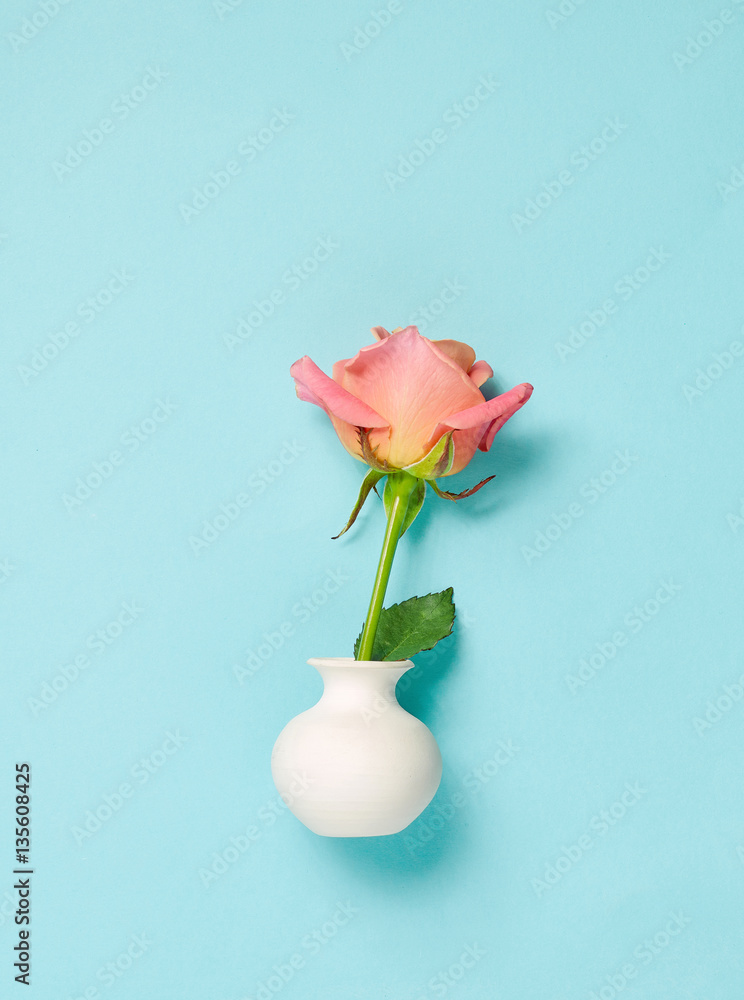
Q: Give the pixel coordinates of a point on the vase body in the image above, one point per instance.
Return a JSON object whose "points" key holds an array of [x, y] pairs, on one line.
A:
{"points": [[357, 764]]}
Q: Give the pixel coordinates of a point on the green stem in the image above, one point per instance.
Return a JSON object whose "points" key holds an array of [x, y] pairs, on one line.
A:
{"points": [[402, 486]]}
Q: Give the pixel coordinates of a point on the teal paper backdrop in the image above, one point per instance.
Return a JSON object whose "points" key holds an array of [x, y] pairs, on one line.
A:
{"points": [[195, 195]]}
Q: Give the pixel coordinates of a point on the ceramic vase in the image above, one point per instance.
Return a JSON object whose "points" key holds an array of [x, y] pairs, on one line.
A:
{"points": [[357, 764]]}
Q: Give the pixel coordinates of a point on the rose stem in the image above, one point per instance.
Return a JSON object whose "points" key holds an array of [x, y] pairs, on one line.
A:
{"points": [[402, 486]]}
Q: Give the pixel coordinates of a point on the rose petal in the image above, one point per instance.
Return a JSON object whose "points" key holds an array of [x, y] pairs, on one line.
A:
{"points": [[413, 384], [485, 418], [314, 386], [466, 445], [461, 354], [479, 372], [514, 404]]}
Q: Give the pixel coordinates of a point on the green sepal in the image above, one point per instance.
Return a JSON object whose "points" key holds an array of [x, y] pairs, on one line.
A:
{"points": [[370, 482], [446, 495], [412, 626], [437, 462], [415, 502], [369, 454]]}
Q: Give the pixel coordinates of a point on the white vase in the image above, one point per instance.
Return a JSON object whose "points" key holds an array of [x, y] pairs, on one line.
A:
{"points": [[356, 764]]}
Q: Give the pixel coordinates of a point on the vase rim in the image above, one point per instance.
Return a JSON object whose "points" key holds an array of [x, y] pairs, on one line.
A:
{"points": [[349, 661]]}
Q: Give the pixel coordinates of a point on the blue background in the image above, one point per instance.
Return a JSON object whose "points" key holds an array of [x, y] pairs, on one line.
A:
{"points": [[536, 236]]}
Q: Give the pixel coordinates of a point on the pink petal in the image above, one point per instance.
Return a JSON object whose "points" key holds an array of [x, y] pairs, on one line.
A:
{"points": [[413, 384], [314, 386], [479, 372], [485, 420], [462, 354], [466, 445], [522, 393]]}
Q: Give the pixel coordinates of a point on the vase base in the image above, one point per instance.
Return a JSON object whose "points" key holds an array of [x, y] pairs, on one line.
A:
{"points": [[354, 829]]}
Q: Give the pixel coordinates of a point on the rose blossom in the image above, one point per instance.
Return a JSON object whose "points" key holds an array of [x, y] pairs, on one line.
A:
{"points": [[407, 393]]}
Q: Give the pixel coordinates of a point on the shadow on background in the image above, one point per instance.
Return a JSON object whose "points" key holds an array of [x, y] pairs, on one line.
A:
{"points": [[431, 841]]}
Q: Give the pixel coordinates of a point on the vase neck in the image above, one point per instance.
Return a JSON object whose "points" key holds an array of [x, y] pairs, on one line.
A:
{"points": [[351, 683]]}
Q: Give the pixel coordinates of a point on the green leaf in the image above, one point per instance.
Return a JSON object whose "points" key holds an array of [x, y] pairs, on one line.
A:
{"points": [[415, 503], [370, 481], [412, 626]]}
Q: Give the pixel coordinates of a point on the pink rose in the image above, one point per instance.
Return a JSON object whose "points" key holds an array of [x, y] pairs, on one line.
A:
{"points": [[407, 402]]}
